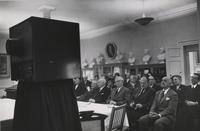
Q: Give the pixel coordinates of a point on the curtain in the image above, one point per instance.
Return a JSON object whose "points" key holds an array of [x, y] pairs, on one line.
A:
{"points": [[46, 106]]}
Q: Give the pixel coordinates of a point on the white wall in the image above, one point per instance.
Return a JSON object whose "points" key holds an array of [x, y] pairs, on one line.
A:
{"points": [[153, 36]]}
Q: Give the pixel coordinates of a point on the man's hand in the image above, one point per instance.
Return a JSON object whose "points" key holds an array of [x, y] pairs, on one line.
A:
{"points": [[113, 102], [132, 104], [92, 100], [190, 103], [138, 106], [154, 115]]}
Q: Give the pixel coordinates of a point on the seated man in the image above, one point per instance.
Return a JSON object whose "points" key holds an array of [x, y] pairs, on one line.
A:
{"points": [[153, 84], [139, 104], [192, 117], [79, 87], [88, 94], [119, 95], [102, 92], [162, 114]]}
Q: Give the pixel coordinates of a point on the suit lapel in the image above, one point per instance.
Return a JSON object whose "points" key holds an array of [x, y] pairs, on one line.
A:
{"points": [[166, 95]]}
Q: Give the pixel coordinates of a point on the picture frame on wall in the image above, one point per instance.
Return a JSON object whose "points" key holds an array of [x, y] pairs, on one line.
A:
{"points": [[4, 66]]}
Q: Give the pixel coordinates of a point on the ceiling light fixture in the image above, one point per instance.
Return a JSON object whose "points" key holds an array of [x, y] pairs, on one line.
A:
{"points": [[144, 20]]}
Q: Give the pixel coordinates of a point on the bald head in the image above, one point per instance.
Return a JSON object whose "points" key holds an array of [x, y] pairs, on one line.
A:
{"points": [[143, 82], [101, 82], [166, 82]]}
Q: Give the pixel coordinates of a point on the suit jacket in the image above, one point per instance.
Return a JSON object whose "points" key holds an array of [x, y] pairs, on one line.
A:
{"points": [[133, 89], [166, 106], [79, 90], [145, 98], [156, 87], [193, 94], [101, 96], [87, 83], [120, 97], [182, 90]]}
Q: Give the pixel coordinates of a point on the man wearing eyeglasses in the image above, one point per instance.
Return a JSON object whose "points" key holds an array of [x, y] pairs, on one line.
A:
{"points": [[162, 113], [120, 95], [139, 104]]}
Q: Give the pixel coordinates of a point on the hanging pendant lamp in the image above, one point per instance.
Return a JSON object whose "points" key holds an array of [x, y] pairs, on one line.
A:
{"points": [[144, 20]]}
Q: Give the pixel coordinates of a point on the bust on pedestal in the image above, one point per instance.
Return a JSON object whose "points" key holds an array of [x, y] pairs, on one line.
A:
{"points": [[131, 58], [119, 58], [85, 63], [146, 58], [93, 62], [100, 59], [161, 57]]}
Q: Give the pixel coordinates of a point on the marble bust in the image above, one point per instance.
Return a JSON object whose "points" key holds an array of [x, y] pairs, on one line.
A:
{"points": [[119, 57], [146, 58], [100, 59], [161, 57], [131, 58], [93, 62], [85, 63]]}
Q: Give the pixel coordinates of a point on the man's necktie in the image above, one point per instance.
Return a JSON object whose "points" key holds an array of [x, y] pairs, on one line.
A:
{"points": [[162, 95], [141, 91]]}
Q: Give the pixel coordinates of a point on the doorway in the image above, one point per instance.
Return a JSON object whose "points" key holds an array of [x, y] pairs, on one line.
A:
{"points": [[192, 61]]}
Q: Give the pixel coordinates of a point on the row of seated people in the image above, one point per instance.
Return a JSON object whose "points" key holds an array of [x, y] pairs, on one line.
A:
{"points": [[158, 107]]}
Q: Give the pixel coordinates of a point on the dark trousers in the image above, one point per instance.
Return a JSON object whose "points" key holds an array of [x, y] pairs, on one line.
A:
{"points": [[133, 116], [160, 124]]}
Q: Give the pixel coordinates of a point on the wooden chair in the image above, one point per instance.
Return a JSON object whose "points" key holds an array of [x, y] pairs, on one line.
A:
{"points": [[91, 121], [117, 118]]}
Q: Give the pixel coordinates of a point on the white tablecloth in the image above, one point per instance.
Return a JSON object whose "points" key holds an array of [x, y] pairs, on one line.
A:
{"points": [[105, 109], [7, 109]]}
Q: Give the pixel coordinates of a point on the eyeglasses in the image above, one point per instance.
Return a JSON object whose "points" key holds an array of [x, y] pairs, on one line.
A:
{"points": [[118, 81]]}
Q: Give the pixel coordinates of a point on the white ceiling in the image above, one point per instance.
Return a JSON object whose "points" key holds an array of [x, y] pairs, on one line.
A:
{"points": [[93, 15]]}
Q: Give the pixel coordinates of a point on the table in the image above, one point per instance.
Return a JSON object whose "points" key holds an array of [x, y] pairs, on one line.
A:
{"points": [[105, 109], [7, 109]]}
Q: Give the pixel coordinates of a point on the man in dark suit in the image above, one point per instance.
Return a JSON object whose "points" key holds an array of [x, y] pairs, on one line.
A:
{"points": [[193, 104], [139, 104], [102, 93], [88, 94], [127, 79], [162, 114], [119, 95], [87, 83], [79, 88], [133, 85], [181, 90], [153, 84]]}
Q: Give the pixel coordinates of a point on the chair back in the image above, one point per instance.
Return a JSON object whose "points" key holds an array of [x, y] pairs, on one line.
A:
{"points": [[117, 118], [91, 121]]}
